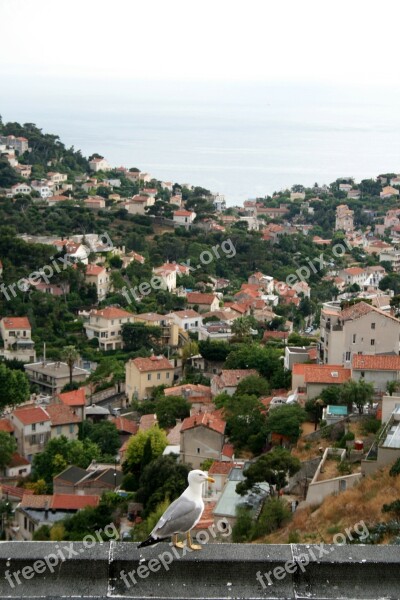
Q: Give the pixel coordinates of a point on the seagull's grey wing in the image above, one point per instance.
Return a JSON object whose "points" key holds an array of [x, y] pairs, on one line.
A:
{"points": [[179, 517]]}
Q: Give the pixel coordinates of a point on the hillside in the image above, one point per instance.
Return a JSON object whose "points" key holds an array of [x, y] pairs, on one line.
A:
{"points": [[336, 513]]}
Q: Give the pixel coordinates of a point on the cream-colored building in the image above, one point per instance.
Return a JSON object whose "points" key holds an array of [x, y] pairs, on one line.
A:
{"points": [[170, 335], [167, 273], [138, 204], [16, 335], [99, 277], [51, 377], [63, 421], [143, 374], [32, 429], [344, 219], [99, 164], [106, 325], [359, 329]]}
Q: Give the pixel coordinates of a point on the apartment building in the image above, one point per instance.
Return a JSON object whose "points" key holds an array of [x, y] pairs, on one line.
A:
{"points": [[16, 335], [202, 437], [358, 329], [344, 218], [98, 276], [32, 429], [51, 377], [170, 335], [143, 374], [106, 326]]}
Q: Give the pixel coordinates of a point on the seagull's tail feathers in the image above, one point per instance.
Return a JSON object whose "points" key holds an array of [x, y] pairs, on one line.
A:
{"points": [[151, 541]]}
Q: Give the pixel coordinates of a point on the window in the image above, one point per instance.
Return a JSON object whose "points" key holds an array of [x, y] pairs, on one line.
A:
{"points": [[372, 342], [198, 450], [372, 325], [362, 373], [149, 377], [71, 428], [25, 523], [158, 375], [33, 439], [167, 375], [33, 426], [41, 438], [354, 338], [348, 356], [59, 429]]}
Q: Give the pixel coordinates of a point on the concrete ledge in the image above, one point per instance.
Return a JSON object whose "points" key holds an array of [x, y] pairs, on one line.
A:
{"points": [[219, 571]]}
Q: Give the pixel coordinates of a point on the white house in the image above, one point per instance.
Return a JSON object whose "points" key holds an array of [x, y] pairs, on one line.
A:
{"points": [[184, 217], [189, 320], [106, 325], [99, 164]]}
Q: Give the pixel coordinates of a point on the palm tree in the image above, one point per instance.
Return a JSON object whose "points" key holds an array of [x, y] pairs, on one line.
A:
{"points": [[70, 355], [391, 387]]}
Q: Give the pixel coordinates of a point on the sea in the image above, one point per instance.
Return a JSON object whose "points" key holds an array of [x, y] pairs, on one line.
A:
{"points": [[243, 140]]}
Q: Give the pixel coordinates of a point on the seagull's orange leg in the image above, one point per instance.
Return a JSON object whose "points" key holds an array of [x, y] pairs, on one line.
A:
{"points": [[190, 543]]}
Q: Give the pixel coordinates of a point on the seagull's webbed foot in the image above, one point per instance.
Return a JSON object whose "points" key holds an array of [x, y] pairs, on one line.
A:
{"points": [[176, 543], [190, 543]]}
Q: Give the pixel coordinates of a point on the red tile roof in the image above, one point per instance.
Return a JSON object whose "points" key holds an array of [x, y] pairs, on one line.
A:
{"points": [[228, 450], [73, 501], [94, 270], [182, 213], [154, 363], [74, 398], [199, 298], [16, 323], [368, 362], [354, 271], [111, 312], [30, 415], [275, 335], [220, 467], [329, 374], [231, 377], [58, 501], [18, 461], [14, 492], [147, 422], [61, 414], [125, 425], [205, 420], [207, 517], [6, 425]]}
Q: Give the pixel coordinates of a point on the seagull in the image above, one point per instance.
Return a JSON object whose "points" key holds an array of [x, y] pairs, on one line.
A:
{"points": [[182, 515]]}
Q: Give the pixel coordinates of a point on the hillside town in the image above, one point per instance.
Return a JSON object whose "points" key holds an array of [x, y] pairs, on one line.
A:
{"points": [[150, 327]]}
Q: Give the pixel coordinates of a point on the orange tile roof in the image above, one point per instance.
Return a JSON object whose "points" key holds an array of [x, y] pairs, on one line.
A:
{"points": [[228, 450], [205, 420], [94, 270], [199, 298], [60, 414], [125, 425], [207, 517], [182, 213], [370, 362], [154, 363], [190, 388], [6, 425], [73, 501], [18, 461], [329, 374], [111, 312], [220, 467], [74, 398], [31, 415], [16, 323], [354, 271], [186, 314], [147, 422], [231, 377], [17, 492]]}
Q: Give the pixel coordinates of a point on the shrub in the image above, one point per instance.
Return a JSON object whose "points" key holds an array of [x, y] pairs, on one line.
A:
{"points": [[371, 426], [395, 470]]}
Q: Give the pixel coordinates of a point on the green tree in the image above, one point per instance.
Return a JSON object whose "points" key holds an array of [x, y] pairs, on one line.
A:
{"points": [[243, 528], [70, 355], [253, 385], [162, 478], [286, 420], [273, 467], [136, 448], [7, 448], [105, 435], [243, 326], [139, 335], [273, 515], [14, 387], [246, 423], [171, 408], [359, 393], [392, 387]]}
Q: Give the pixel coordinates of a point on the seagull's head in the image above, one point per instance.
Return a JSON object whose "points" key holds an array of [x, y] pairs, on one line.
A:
{"points": [[198, 476]]}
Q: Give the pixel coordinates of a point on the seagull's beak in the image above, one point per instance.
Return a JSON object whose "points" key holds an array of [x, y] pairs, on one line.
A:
{"points": [[210, 479]]}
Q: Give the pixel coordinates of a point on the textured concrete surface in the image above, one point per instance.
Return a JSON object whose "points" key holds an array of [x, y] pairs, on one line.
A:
{"points": [[218, 571]]}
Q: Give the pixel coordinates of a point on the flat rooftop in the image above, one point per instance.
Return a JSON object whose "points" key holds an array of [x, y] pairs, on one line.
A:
{"points": [[55, 369]]}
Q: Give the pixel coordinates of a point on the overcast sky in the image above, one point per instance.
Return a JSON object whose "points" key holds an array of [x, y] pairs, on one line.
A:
{"points": [[335, 41]]}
